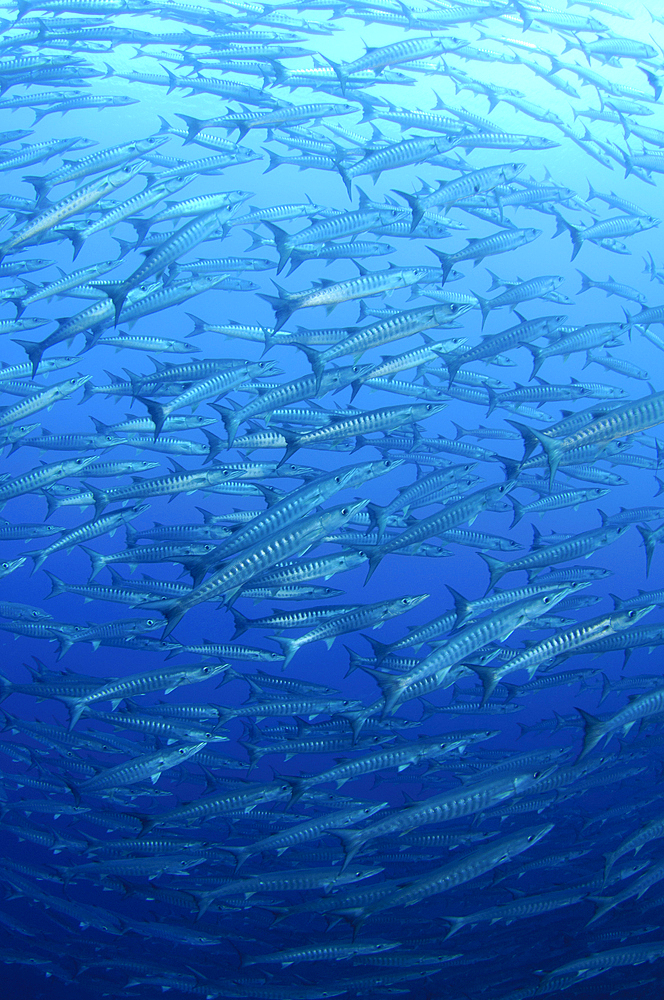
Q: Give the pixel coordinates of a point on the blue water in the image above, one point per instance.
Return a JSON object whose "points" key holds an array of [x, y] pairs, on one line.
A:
{"points": [[495, 961]]}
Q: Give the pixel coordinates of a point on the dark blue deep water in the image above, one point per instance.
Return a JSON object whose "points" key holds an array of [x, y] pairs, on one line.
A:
{"points": [[441, 826]]}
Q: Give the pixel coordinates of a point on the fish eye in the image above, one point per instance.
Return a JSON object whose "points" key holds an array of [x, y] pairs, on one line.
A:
{"points": [[546, 600], [632, 614], [344, 510], [404, 600], [206, 670], [429, 406]]}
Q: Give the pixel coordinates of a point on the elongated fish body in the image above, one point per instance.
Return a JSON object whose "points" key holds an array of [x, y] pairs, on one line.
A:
{"points": [[71, 205], [563, 642], [467, 641], [368, 283], [257, 559], [478, 249], [368, 615]]}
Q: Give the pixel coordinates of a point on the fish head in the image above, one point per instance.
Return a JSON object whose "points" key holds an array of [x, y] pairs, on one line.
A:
{"points": [[151, 142], [621, 620]]}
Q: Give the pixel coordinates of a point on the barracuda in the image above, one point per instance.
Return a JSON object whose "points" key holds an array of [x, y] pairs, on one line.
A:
{"points": [[633, 417], [76, 202], [341, 225], [98, 526], [382, 419], [308, 387], [378, 59], [267, 118], [368, 615], [468, 801], [38, 152], [152, 194], [95, 317], [559, 644], [472, 183], [403, 324], [147, 766], [181, 481], [257, 559], [478, 249], [43, 476], [101, 161], [213, 386], [462, 644], [397, 155], [284, 511], [451, 515], [165, 679], [66, 283], [165, 253], [334, 293]]}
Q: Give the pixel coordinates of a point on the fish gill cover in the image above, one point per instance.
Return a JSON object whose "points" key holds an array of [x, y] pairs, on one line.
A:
{"points": [[218, 779]]}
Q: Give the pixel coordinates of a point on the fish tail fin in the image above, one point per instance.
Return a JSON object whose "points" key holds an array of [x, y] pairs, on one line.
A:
{"points": [[461, 605], [96, 558], [602, 906], [445, 261], [609, 861], [281, 238], [241, 622], [380, 649], [35, 351], [456, 923], [39, 558], [117, 293], [415, 208], [586, 282], [538, 360], [550, 446], [75, 707], [497, 568], [340, 73], [650, 542], [173, 615], [57, 585], [377, 518], [156, 412], [346, 179], [314, 359], [289, 647], [76, 240], [351, 841], [40, 184], [194, 126], [282, 305], [518, 510], [374, 560], [215, 445], [488, 677], [594, 730], [485, 306]]}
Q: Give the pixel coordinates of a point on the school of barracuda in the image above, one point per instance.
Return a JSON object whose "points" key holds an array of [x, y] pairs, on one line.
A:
{"points": [[272, 830]]}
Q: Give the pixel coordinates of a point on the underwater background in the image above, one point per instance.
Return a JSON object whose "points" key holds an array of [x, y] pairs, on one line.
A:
{"points": [[321, 803]]}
